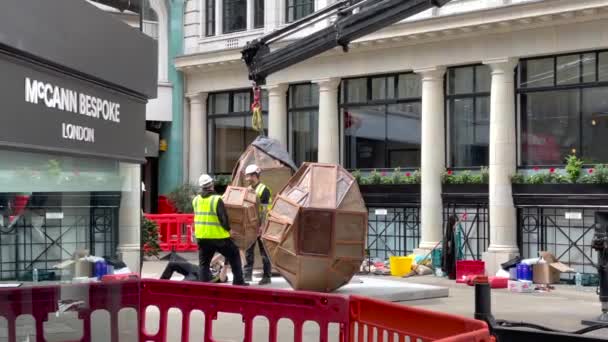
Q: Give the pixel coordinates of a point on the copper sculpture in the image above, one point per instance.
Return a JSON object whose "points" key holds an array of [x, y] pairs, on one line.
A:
{"points": [[240, 201], [315, 232]]}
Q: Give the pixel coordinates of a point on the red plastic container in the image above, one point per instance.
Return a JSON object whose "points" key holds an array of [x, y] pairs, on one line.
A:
{"points": [[499, 282], [465, 268]]}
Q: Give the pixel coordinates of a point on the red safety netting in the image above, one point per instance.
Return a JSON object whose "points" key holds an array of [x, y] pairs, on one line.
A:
{"points": [[337, 317], [175, 231]]}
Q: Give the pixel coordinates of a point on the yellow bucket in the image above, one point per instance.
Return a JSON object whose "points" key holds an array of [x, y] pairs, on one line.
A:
{"points": [[401, 265]]}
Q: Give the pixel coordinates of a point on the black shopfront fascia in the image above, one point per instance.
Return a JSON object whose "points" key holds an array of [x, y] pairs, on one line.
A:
{"points": [[57, 70]]}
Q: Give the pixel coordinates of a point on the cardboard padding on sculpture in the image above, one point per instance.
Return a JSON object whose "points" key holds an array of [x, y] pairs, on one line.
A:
{"points": [[350, 226], [345, 267], [287, 260], [334, 277], [304, 182], [271, 249], [234, 195], [313, 273], [285, 209], [353, 251], [274, 229], [297, 195], [323, 177], [289, 239], [353, 200]]}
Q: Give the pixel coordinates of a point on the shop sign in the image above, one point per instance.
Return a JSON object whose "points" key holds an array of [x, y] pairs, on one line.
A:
{"points": [[44, 109], [381, 212], [574, 216]]}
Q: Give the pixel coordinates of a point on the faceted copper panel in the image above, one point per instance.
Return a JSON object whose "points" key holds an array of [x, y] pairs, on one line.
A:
{"points": [[241, 207], [315, 234]]}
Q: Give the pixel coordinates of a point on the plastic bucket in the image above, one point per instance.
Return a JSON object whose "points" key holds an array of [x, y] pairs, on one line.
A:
{"points": [[400, 265]]}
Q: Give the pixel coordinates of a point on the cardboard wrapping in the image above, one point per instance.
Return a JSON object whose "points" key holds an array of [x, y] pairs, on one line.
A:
{"points": [[315, 232], [549, 270]]}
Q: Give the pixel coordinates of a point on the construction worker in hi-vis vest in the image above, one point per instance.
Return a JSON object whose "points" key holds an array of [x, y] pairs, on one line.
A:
{"points": [[252, 176], [212, 232]]}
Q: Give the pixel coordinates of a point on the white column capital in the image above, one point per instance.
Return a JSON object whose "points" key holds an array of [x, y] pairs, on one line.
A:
{"points": [[276, 89], [432, 73], [502, 65], [327, 84], [197, 98]]}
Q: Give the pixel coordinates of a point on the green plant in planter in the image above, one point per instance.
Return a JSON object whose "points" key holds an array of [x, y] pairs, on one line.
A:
{"points": [[411, 177], [597, 175], [375, 178], [466, 177], [182, 197], [357, 175], [574, 165], [149, 237], [396, 177], [484, 175], [223, 180]]}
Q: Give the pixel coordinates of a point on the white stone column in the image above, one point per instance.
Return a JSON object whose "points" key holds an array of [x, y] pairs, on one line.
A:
{"points": [[329, 122], [277, 112], [198, 135], [129, 228], [503, 164], [432, 157]]}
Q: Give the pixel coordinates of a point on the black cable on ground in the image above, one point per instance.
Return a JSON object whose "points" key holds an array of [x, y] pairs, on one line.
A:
{"points": [[508, 324]]}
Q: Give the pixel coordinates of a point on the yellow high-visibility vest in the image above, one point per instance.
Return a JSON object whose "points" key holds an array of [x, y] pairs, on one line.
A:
{"points": [[264, 208], [206, 221]]}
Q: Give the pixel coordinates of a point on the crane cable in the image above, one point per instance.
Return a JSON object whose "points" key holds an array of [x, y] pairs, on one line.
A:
{"points": [[257, 120]]}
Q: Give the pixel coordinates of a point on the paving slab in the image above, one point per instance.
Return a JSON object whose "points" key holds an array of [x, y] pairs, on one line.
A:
{"points": [[384, 288]]}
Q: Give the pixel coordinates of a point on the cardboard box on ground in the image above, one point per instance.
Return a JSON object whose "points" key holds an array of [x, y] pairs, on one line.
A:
{"points": [[77, 267], [83, 266], [548, 270]]}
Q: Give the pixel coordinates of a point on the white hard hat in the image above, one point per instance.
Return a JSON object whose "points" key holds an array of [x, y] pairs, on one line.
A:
{"points": [[205, 181], [252, 169]]}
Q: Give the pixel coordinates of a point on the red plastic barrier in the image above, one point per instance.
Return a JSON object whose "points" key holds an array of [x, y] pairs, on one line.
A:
{"points": [[357, 318], [466, 268], [175, 231], [40, 301], [395, 322], [165, 206]]}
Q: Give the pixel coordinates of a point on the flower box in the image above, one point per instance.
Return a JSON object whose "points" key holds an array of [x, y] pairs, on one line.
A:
{"points": [[560, 194], [379, 194], [465, 193]]}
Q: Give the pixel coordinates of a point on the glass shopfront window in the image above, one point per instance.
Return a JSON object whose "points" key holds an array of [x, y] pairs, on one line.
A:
{"points": [[303, 122], [381, 120], [230, 127], [53, 206], [563, 108], [468, 105]]}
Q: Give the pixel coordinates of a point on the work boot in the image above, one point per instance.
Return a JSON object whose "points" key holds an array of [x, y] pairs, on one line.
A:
{"points": [[265, 281], [248, 277]]}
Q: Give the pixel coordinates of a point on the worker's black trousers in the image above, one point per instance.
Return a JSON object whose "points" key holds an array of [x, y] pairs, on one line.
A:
{"points": [[249, 258], [227, 248], [188, 270]]}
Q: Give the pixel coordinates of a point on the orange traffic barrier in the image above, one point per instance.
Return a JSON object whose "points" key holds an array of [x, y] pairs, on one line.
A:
{"points": [[337, 317]]}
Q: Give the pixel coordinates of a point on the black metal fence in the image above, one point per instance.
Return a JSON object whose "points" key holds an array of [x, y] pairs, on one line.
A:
{"points": [[393, 231], [44, 236], [472, 228], [565, 232]]}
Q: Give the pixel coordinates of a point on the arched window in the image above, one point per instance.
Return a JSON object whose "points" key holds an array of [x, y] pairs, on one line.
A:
{"points": [[149, 20]]}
